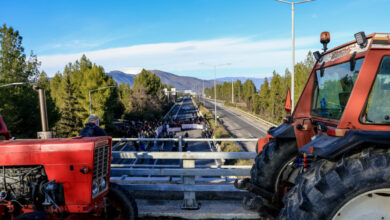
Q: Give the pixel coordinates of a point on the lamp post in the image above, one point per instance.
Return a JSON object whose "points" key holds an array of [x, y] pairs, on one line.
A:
{"points": [[94, 90], [232, 92], [215, 87], [13, 84], [293, 46]]}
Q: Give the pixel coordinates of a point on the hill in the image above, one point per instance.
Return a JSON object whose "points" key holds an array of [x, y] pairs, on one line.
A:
{"points": [[121, 77], [179, 82]]}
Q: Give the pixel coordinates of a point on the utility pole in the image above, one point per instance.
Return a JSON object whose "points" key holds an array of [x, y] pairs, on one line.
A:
{"points": [[293, 47], [215, 95], [203, 93], [232, 92], [215, 87]]}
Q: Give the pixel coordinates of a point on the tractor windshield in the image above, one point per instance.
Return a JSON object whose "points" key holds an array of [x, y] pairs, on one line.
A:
{"points": [[333, 86]]}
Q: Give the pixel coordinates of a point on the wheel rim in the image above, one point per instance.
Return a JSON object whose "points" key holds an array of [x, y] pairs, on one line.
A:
{"points": [[278, 181], [373, 204]]}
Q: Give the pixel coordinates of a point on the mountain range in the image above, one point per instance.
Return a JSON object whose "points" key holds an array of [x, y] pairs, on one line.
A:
{"points": [[181, 83]]}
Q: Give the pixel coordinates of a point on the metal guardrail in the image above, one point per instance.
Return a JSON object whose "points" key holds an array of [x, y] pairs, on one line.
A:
{"points": [[187, 139], [187, 171], [248, 114], [183, 155], [258, 118]]}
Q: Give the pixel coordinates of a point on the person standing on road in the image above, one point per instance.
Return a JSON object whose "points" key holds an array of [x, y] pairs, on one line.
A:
{"points": [[92, 128]]}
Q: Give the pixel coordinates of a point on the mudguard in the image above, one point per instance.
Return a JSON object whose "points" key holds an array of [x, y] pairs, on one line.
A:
{"points": [[283, 131], [261, 142], [330, 147]]}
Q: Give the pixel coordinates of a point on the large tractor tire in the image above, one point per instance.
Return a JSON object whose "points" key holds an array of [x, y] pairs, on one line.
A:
{"points": [[355, 187], [271, 164], [121, 205]]}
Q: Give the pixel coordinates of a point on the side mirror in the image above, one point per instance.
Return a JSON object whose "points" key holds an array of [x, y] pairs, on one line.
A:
{"points": [[287, 103]]}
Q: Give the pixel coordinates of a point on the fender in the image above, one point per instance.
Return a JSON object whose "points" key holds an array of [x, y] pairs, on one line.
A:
{"points": [[284, 131], [331, 148]]}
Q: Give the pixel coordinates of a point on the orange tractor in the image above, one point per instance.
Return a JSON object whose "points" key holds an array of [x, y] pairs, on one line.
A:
{"points": [[331, 158]]}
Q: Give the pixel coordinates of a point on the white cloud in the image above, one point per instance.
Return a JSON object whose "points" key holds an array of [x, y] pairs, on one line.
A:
{"points": [[243, 53]]}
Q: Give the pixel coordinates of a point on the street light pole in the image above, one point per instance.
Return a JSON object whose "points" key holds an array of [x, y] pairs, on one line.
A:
{"points": [[293, 46], [215, 88], [93, 90], [215, 95], [232, 92], [13, 84]]}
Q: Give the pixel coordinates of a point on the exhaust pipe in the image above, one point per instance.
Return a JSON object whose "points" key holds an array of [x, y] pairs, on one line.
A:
{"points": [[45, 133]]}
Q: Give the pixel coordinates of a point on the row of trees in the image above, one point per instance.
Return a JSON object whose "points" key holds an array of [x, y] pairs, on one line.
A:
{"points": [[68, 92], [268, 101]]}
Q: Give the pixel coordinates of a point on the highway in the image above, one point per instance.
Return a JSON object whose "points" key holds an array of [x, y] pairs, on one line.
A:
{"points": [[238, 124], [183, 111]]}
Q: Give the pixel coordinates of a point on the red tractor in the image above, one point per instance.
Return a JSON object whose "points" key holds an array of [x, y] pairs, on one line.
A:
{"points": [[65, 178], [331, 158]]}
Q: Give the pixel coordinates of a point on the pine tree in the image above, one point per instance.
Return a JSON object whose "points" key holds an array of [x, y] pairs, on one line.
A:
{"points": [[265, 98], [69, 124], [53, 113], [18, 105], [249, 89]]}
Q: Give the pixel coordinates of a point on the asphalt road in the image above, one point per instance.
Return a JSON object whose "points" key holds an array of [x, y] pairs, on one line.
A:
{"points": [[184, 111], [238, 124]]}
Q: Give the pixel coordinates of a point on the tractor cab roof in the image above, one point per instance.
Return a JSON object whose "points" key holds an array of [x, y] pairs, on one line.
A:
{"points": [[343, 52]]}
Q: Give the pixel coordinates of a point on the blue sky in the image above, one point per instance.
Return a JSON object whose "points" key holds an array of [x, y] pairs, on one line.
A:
{"points": [[176, 35]]}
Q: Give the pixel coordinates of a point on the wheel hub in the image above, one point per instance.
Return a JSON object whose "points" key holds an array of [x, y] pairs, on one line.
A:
{"points": [[373, 204]]}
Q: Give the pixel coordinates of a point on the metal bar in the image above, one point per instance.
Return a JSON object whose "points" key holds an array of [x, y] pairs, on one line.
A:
{"points": [[144, 166], [189, 201], [179, 188], [150, 180], [178, 172], [116, 145], [188, 139], [178, 166], [183, 155]]}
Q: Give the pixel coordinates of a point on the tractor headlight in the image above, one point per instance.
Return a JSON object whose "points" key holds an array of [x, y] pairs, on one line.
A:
{"points": [[95, 187], [103, 183]]}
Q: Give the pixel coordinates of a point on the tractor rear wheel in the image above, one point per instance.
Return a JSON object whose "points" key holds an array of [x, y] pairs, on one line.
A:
{"points": [[355, 187], [274, 167], [121, 205]]}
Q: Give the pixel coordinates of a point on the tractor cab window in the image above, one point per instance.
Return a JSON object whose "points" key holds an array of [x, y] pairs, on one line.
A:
{"points": [[378, 105], [333, 86]]}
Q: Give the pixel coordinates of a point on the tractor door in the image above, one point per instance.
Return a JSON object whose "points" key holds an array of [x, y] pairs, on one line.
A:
{"points": [[369, 106], [377, 108]]}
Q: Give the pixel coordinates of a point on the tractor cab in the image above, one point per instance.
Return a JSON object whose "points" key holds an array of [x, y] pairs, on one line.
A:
{"points": [[347, 91]]}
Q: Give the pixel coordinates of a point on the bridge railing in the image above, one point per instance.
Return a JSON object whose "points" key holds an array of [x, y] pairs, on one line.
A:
{"points": [[213, 178]]}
